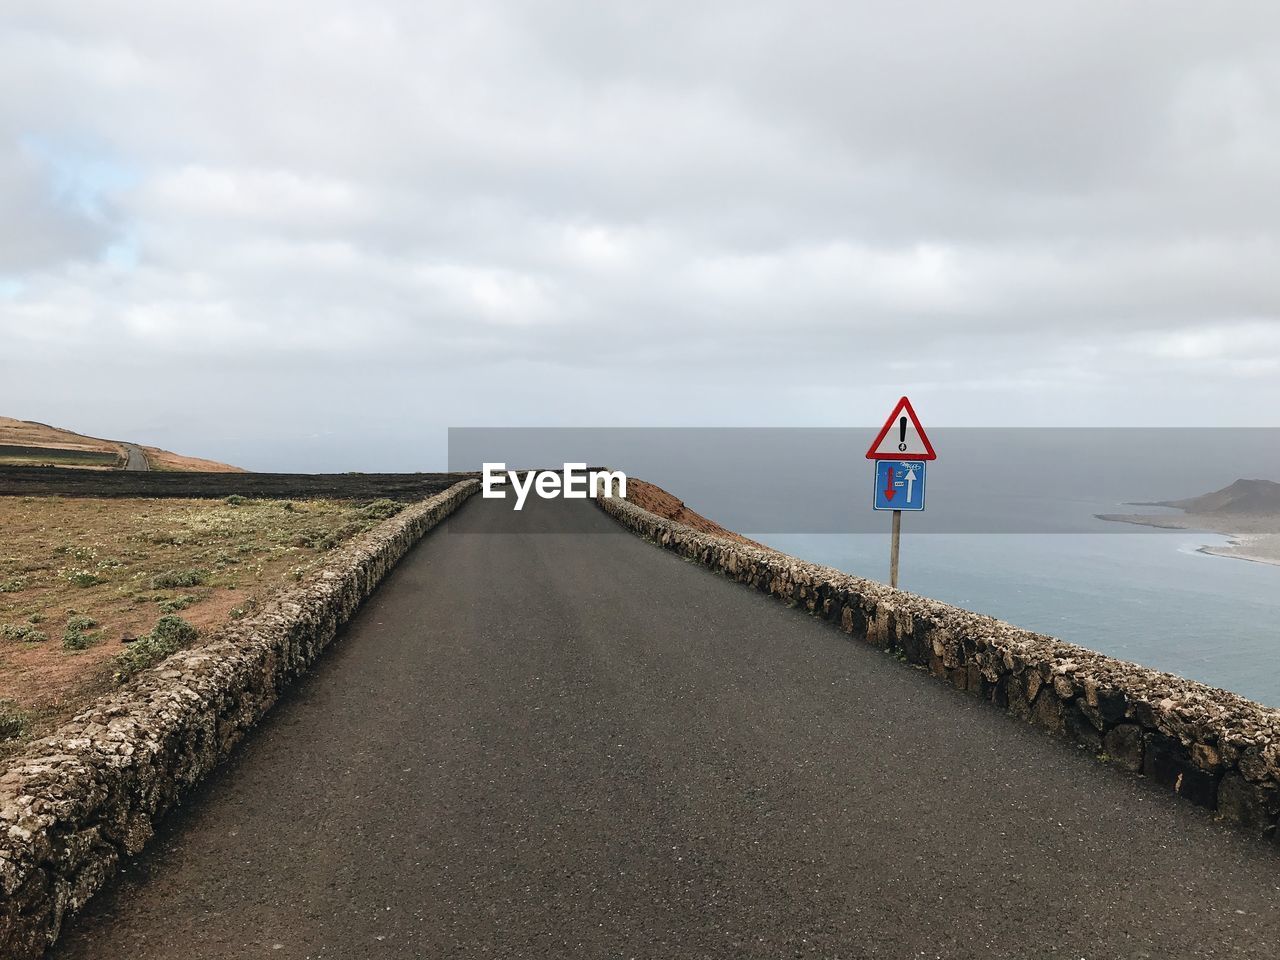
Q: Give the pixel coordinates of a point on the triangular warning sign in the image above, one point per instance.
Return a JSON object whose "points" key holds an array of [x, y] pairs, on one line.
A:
{"points": [[902, 437]]}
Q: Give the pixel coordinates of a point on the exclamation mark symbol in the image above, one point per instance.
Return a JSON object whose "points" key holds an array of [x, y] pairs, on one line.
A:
{"points": [[902, 434]]}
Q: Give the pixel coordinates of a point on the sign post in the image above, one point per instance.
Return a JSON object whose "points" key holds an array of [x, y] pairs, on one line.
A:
{"points": [[900, 452], [893, 548]]}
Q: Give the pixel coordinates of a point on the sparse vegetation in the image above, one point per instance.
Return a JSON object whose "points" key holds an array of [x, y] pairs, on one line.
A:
{"points": [[13, 720], [76, 636], [179, 578], [85, 578], [169, 635], [23, 632], [381, 509], [174, 604], [91, 572], [78, 639]]}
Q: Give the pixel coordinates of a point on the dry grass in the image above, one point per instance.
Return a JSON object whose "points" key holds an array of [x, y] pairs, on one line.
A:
{"points": [[25, 433], [78, 576], [62, 447]]}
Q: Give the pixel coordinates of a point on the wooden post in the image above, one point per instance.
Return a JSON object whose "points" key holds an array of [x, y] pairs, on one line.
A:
{"points": [[893, 548]]}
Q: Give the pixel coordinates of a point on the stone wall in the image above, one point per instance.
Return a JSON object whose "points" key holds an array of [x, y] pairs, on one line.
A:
{"points": [[1213, 747], [73, 804]]}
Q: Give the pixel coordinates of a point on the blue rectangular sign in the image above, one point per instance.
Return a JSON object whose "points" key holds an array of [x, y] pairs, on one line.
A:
{"points": [[899, 485]]}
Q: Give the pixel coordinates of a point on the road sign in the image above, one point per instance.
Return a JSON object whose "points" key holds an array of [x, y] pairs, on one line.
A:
{"points": [[901, 437], [900, 450], [899, 485]]}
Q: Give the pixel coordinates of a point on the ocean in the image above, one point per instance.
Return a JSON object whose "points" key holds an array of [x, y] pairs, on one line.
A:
{"points": [[1153, 599]]}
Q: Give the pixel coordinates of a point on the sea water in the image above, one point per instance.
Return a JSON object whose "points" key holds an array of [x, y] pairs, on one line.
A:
{"points": [[1152, 598]]}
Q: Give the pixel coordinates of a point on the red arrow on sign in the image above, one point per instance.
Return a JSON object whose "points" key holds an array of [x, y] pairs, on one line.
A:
{"points": [[889, 492]]}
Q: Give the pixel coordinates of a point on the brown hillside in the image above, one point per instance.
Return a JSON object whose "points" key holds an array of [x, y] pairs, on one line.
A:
{"points": [[29, 443], [653, 498], [165, 460], [28, 433]]}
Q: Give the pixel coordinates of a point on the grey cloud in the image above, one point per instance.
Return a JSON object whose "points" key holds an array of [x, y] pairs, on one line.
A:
{"points": [[1076, 204], [39, 226]]}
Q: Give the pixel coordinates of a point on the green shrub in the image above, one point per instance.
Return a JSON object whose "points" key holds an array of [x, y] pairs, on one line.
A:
{"points": [[21, 631], [235, 500], [381, 509], [342, 534], [175, 631], [85, 578], [174, 604], [179, 578], [169, 635], [13, 585], [36, 618], [13, 721], [73, 639], [308, 538], [81, 622]]}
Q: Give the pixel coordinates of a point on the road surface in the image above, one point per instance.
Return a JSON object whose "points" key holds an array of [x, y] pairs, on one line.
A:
{"points": [[577, 745], [137, 459]]}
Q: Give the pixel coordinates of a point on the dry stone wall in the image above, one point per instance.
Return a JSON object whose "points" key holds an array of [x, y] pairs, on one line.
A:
{"points": [[73, 804], [1213, 747]]}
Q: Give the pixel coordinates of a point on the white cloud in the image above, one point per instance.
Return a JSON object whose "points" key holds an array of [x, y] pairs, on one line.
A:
{"points": [[520, 201]]}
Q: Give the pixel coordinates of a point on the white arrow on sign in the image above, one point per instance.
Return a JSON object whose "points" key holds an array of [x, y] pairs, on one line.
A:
{"points": [[911, 479]]}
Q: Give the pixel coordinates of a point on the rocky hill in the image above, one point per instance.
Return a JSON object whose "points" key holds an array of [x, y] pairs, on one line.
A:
{"points": [[1252, 497]]}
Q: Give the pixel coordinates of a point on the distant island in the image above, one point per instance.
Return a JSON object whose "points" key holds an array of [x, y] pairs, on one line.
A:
{"points": [[1247, 511]]}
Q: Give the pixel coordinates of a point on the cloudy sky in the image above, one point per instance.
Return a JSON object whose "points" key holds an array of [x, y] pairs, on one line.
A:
{"points": [[314, 235]]}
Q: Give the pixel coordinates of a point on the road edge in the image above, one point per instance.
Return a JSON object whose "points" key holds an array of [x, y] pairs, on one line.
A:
{"points": [[73, 804], [1213, 747]]}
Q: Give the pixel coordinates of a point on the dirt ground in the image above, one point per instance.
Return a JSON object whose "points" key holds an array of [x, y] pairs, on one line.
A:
{"points": [[78, 576]]}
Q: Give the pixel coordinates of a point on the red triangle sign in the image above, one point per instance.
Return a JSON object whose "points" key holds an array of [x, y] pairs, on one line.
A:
{"points": [[902, 437]]}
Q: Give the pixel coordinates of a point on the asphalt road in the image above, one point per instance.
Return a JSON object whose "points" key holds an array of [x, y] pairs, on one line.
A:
{"points": [[578, 745], [137, 459]]}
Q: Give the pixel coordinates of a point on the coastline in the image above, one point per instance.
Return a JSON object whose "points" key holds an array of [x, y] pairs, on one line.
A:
{"points": [[1253, 538]]}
